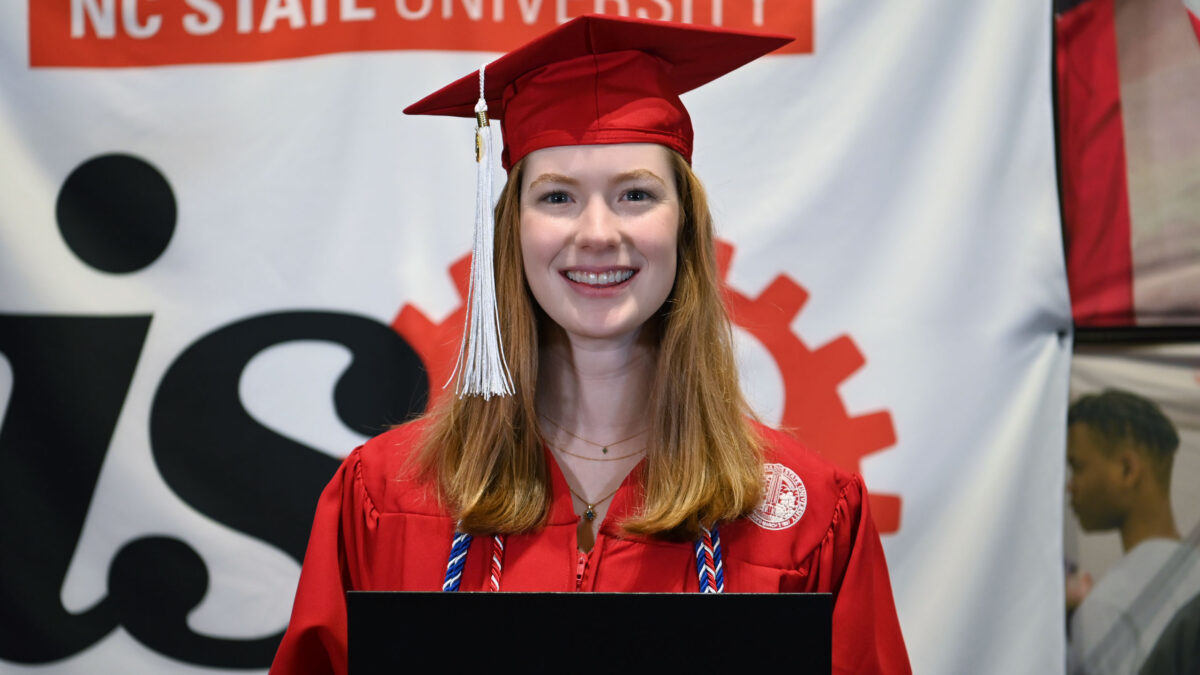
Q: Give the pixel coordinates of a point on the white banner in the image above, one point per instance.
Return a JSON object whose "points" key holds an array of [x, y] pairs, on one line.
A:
{"points": [[210, 271]]}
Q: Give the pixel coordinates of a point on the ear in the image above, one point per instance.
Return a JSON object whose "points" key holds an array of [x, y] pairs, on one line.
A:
{"points": [[1133, 466]]}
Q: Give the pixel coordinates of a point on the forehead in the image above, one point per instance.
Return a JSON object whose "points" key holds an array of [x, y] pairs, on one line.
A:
{"points": [[1083, 441], [603, 162]]}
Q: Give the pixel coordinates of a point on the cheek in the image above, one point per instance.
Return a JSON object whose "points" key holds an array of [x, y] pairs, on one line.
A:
{"points": [[1091, 499], [1084, 482], [663, 260], [665, 255], [1078, 487], [537, 247], [662, 247]]}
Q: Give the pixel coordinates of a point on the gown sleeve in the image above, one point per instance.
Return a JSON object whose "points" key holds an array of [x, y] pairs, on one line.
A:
{"points": [[315, 640], [850, 563]]}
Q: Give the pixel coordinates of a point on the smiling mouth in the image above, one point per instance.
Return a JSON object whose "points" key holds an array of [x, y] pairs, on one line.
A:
{"points": [[599, 279]]}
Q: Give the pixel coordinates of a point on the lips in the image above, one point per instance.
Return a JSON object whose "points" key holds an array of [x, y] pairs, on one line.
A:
{"points": [[599, 279]]}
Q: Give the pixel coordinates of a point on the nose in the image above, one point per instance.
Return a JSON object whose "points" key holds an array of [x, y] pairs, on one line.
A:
{"points": [[599, 227]]}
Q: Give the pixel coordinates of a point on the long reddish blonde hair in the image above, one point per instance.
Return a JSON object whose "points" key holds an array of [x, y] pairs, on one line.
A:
{"points": [[703, 460]]}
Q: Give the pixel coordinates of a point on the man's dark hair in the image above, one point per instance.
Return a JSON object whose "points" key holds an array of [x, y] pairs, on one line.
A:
{"points": [[1120, 415]]}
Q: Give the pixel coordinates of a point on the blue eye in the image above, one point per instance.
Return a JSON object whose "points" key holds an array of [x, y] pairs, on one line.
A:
{"points": [[636, 195], [556, 198]]}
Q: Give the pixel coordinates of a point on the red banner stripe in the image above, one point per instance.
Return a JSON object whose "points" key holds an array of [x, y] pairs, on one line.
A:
{"points": [[1095, 196], [124, 33]]}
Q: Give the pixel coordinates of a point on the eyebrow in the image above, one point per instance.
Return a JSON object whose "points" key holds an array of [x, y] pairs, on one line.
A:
{"points": [[552, 178], [636, 174]]}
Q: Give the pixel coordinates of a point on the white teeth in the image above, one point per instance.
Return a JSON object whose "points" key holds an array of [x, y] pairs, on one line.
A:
{"points": [[601, 279]]}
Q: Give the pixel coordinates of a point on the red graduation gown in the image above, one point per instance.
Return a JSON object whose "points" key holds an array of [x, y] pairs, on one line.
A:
{"points": [[375, 532]]}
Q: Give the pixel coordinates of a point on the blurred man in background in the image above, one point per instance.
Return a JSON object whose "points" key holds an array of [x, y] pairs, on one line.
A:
{"points": [[1120, 449]]}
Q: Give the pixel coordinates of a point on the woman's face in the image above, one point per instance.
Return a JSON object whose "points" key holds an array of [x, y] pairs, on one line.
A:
{"points": [[599, 226]]}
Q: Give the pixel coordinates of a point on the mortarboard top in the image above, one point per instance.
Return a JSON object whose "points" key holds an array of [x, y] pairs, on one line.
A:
{"points": [[600, 79]]}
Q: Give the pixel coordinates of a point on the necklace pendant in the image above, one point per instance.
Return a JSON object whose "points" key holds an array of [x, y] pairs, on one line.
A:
{"points": [[604, 450], [589, 514]]}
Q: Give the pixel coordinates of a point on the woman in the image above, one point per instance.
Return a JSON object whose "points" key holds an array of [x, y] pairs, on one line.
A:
{"points": [[625, 453]]}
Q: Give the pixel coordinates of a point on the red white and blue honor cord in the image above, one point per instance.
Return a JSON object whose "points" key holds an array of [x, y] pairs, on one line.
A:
{"points": [[458, 557], [709, 569]]}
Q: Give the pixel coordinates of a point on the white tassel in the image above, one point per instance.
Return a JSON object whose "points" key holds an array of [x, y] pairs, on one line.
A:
{"points": [[481, 369]]}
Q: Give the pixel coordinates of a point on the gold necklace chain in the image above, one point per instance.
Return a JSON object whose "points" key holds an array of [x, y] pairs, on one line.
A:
{"points": [[596, 459], [589, 512], [603, 446]]}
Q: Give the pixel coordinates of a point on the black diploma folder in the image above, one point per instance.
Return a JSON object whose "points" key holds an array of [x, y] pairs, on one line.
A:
{"points": [[616, 633]]}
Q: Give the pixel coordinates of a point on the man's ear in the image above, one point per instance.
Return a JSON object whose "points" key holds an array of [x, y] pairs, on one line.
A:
{"points": [[1133, 465]]}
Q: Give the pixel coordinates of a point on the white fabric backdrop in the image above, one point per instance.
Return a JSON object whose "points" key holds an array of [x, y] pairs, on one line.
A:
{"points": [[903, 174]]}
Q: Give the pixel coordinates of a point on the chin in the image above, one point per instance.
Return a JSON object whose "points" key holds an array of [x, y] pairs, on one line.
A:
{"points": [[621, 334], [1092, 525], [616, 328]]}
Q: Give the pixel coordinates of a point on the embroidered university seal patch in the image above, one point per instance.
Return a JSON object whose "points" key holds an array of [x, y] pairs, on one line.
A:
{"points": [[784, 499]]}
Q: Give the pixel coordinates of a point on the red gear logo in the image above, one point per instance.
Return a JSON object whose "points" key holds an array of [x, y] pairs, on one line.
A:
{"points": [[437, 343], [812, 407]]}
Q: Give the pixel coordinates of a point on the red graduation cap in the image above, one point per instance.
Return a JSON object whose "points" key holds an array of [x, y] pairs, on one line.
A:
{"points": [[600, 79]]}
